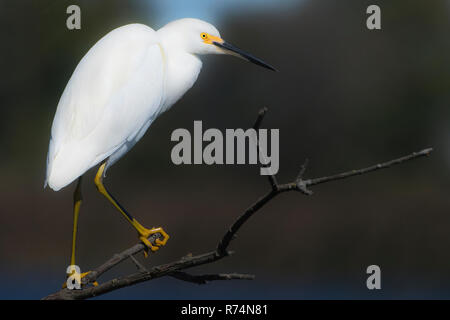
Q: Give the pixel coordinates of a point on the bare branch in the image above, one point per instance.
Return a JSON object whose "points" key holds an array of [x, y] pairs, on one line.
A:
{"points": [[174, 269], [118, 258], [300, 183], [205, 278], [302, 169], [272, 179], [414, 155], [259, 119]]}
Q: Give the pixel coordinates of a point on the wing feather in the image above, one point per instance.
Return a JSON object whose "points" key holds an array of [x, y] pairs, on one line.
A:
{"points": [[114, 91]]}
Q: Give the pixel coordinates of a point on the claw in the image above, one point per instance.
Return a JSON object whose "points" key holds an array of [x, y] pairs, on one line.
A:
{"points": [[158, 243], [95, 283], [148, 243]]}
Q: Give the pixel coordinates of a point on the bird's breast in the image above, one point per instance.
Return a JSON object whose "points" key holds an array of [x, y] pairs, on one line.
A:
{"points": [[182, 70]]}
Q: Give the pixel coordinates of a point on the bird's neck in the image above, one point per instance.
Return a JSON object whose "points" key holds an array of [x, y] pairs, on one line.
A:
{"points": [[182, 70]]}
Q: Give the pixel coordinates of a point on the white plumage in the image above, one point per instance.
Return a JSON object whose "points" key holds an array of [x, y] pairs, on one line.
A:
{"points": [[120, 87]]}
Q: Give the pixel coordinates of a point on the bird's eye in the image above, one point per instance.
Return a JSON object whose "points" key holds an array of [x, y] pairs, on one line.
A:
{"points": [[204, 35]]}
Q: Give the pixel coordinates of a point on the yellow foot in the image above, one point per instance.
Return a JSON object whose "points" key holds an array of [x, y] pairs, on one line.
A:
{"points": [[144, 234], [95, 283]]}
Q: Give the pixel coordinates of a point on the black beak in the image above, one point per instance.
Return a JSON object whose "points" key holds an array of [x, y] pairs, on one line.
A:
{"points": [[244, 55]]}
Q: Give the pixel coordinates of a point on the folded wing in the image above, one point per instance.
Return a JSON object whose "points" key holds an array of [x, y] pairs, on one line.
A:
{"points": [[115, 91]]}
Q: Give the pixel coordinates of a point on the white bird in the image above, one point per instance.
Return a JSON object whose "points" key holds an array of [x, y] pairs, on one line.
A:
{"points": [[123, 83]]}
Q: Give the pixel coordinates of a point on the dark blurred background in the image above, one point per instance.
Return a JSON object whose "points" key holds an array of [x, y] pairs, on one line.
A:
{"points": [[345, 97]]}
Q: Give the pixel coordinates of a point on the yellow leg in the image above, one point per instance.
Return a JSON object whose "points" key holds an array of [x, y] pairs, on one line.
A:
{"points": [[77, 200], [143, 232]]}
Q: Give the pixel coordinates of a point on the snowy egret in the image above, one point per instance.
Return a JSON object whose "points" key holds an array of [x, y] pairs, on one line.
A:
{"points": [[124, 82]]}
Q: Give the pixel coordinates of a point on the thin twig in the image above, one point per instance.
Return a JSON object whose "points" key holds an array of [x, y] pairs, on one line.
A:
{"points": [[302, 169], [138, 265], [272, 179], [259, 119], [414, 155]]}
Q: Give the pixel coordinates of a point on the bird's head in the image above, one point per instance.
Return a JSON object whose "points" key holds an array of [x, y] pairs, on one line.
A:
{"points": [[199, 37]]}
